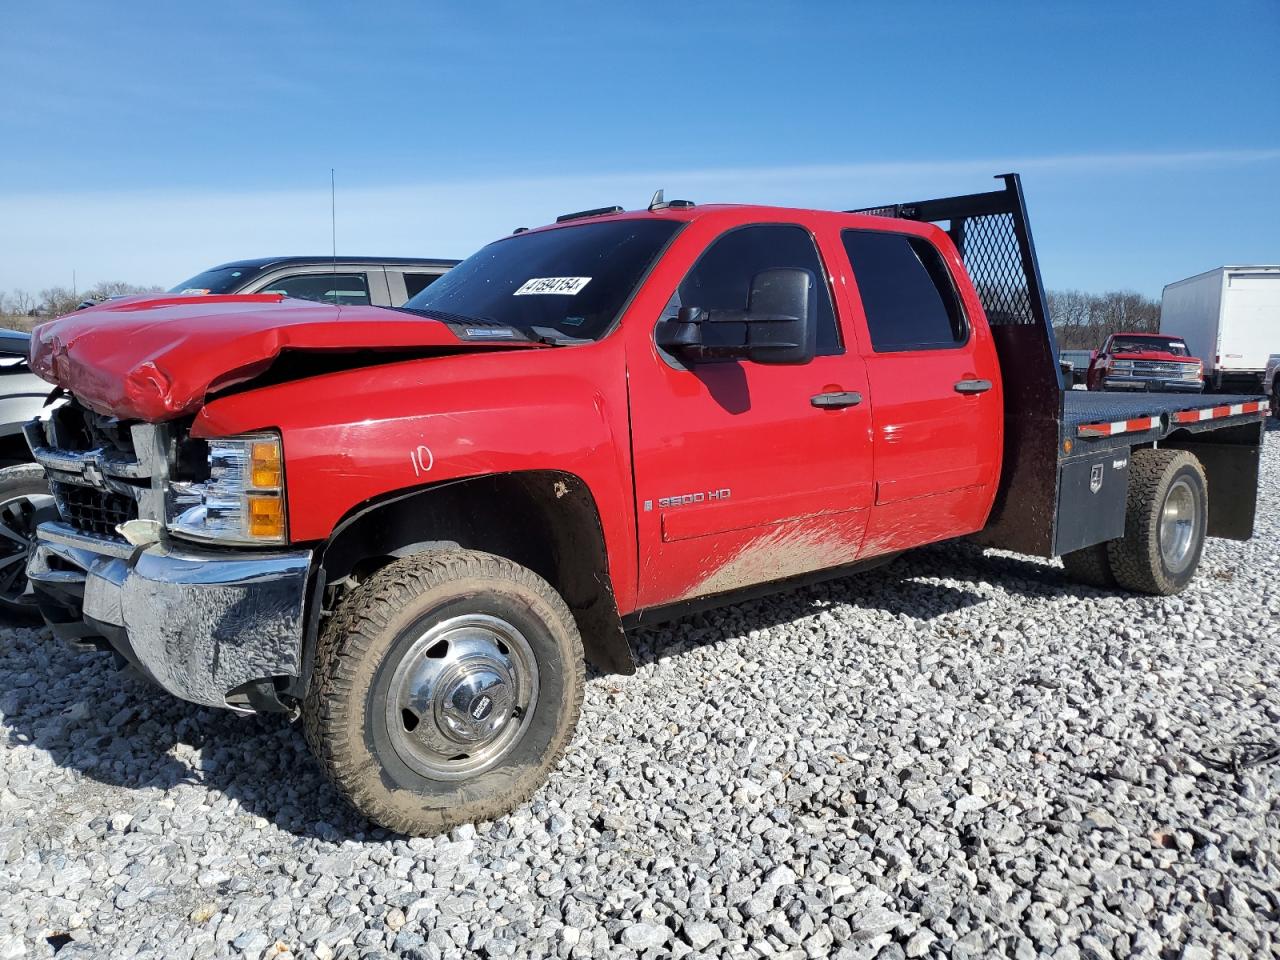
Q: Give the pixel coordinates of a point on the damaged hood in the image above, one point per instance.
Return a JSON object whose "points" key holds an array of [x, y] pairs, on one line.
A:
{"points": [[156, 358]]}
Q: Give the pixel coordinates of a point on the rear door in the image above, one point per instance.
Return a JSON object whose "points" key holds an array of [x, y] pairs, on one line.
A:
{"points": [[742, 474], [933, 384]]}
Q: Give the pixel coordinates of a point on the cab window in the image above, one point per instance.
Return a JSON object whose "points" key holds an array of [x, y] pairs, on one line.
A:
{"points": [[906, 292], [721, 279]]}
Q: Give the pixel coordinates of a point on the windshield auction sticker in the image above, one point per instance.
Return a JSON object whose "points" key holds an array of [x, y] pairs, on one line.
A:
{"points": [[566, 286]]}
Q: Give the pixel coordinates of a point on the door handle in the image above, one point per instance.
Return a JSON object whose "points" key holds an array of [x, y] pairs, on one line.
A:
{"points": [[834, 401], [973, 386]]}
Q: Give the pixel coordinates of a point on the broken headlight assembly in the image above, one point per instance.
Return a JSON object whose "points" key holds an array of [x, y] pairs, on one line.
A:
{"points": [[239, 496]]}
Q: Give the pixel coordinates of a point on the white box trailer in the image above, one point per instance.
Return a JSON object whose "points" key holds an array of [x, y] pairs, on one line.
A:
{"points": [[1230, 319]]}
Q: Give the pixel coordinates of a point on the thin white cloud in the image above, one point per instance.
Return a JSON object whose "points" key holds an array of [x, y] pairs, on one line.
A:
{"points": [[163, 236]]}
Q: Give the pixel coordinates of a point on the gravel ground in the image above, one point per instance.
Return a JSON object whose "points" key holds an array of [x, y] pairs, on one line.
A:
{"points": [[959, 755]]}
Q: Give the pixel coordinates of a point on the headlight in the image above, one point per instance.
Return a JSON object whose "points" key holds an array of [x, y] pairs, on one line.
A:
{"points": [[1122, 366], [243, 499], [1191, 371]]}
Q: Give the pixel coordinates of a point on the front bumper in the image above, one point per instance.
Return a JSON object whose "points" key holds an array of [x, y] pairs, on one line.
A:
{"points": [[1174, 385], [203, 624]]}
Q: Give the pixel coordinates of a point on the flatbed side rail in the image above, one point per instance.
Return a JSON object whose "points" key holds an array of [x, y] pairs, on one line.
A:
{"points": [[992, 232], [1178, 418]]}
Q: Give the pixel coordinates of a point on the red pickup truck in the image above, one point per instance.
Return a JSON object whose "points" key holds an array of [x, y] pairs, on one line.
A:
{"points": [[414, 527], [1146, 361]]}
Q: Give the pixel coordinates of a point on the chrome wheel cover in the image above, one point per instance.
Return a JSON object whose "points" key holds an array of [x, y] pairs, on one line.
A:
{"points": [[462, 696], [1179, 520]]}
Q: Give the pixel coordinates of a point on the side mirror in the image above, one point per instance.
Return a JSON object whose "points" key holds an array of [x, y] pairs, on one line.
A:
{"points": [[777, 326]]}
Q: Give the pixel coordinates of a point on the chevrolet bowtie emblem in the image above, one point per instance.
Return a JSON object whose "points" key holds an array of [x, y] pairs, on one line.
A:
{"points": [[93, 473]]}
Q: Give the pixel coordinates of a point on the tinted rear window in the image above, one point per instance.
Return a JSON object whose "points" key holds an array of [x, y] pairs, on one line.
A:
{"points": [[906, 292], [415, 283]]}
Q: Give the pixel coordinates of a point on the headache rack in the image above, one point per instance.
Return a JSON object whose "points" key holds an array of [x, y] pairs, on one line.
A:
{"points": [[1061, 444], [993, 235]]}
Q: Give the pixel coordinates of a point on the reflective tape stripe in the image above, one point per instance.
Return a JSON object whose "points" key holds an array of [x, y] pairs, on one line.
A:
{"points": [[1226, 410], [1118, 426], [1142, 424]]}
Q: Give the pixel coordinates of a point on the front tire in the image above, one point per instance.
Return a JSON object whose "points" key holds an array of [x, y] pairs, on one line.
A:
{"points": [[445, 689], [1165, 523]]}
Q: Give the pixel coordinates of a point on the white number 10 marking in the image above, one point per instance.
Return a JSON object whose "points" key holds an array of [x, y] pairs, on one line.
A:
{"points": [[422, 459]]}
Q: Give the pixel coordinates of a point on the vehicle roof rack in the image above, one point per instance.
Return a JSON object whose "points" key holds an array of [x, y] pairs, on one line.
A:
{"points": [[597, 212]]}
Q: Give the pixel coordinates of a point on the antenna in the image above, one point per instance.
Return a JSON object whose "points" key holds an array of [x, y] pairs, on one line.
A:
{"points": [[660, 202], [333, 216]]}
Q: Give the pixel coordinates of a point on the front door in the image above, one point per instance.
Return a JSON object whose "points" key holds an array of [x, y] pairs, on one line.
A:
{"points": [[748, 472]]}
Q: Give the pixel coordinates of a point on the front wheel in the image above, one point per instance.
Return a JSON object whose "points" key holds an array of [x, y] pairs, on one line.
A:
{"points": [[445, 689], [1166, 519]]}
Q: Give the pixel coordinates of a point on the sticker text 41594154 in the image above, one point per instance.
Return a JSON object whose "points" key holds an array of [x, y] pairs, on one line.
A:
{"points": [[565, 286]]}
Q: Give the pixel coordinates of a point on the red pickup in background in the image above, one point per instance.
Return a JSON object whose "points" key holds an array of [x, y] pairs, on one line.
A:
{"points": [[1146, 361]]}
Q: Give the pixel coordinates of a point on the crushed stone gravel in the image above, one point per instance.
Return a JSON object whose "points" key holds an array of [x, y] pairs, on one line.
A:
{"points": [[959, 755]]}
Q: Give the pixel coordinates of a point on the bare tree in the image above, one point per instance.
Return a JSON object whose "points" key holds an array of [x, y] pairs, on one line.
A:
{"points": [[55, 301], [1083, 320], [20, 303], [118, 288]]}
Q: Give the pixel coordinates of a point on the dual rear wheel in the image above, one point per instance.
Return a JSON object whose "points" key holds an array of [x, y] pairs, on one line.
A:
{"points": [[1166, 518]]}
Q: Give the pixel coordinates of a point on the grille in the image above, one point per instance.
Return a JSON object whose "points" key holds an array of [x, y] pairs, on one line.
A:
{"points": [[1152, 366], [92, 510]]}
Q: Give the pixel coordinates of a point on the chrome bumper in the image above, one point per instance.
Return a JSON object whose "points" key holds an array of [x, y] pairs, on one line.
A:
{"points": [[1156, 384], [201, 623]]}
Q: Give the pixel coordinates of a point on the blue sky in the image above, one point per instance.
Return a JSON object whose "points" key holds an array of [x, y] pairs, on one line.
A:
{"points": [[147, 141]]}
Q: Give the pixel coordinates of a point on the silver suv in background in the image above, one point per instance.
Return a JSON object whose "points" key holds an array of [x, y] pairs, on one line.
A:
{"points": [[380, 281], [25, 500]]}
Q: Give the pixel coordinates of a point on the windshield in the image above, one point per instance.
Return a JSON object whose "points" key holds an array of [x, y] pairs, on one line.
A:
{"points": [[217, 280], [1150, 344], [574, 279]]}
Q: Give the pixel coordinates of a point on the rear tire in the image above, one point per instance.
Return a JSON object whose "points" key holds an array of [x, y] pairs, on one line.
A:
{"points": [[1165, 523], [1275, 398], [1090, 566], [445, 689]]}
